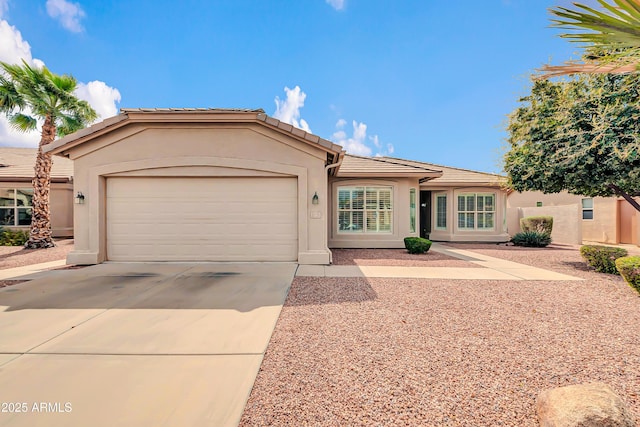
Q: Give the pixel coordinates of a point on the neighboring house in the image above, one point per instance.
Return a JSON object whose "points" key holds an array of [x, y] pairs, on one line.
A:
{"points": [[578, 218], [238, 185], [16, 191]]}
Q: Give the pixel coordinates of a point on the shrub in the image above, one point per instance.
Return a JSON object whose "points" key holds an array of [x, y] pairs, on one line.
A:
{"points": [[417, 245], [531, 239], [10, 237], [541, 224], [602, 258], [629, 269]]}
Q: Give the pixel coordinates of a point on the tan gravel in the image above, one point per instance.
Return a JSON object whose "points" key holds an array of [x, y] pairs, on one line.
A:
{"points": [[17, 256], [396, 257], [355, 351]]}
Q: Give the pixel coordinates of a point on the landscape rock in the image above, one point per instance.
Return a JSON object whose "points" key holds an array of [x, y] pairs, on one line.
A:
{"points": [[582, 405]]}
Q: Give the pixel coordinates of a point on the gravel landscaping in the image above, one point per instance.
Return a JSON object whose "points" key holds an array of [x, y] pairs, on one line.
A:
{"points": [[396, 257], [18, 256], [355, 351]]}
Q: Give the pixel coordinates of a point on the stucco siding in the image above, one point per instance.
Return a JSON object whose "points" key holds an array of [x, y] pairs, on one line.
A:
{"points": [[198, 150]]}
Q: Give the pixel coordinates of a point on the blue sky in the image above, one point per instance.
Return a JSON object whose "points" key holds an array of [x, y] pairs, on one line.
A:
{"points": [[424, 80]]}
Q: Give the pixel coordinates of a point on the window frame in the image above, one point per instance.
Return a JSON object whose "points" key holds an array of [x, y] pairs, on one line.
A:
{"points": [[413, 210], [15, 207], [587, 209], [436, 225], [378, 212], [476, 213]]}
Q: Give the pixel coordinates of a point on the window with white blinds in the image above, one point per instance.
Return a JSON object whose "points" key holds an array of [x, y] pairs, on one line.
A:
{"points": [[365, 209], [476, 211]]}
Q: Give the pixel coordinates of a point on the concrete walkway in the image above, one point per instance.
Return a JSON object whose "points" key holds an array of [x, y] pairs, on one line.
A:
{"points": [[492, 269], [26, 272]]}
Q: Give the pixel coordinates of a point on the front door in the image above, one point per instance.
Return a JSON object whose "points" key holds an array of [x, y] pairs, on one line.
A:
{"points": [[425, 214]]}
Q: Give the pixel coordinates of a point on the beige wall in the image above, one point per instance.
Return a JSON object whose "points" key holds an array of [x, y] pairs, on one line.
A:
{"points": [[198, 150], [454, 234], [61, 205], [566, 229], [602, 228], [401, 224]]}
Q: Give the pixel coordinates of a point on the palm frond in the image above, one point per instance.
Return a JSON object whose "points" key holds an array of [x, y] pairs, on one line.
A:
{"points": [[618, 25], [46, 94], [22, 122], [585, 68]]}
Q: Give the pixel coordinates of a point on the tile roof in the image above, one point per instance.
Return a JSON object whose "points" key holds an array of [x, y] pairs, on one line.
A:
{"points": [[244, 115], [356, 166], [19, 163], [452, 175]]}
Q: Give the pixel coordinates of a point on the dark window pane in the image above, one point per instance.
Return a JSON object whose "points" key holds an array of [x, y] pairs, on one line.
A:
{"points": [[587, 214], [7, 216], [24, 216]]}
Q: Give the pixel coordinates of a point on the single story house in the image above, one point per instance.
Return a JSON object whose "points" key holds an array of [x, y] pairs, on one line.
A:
{"points": [[238, 185], [16, 191]]}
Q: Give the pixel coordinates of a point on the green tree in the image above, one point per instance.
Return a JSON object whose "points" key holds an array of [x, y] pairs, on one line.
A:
{"points": [[29, 94], [579, 135], [615, 30]]}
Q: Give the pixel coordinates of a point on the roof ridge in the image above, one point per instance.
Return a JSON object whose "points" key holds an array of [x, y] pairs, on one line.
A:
{"points": [[387, 160], [192, 109], [450, 167]]}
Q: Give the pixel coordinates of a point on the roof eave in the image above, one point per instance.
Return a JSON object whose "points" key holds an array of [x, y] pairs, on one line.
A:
{"points": [[419, 175], [131, 116]]}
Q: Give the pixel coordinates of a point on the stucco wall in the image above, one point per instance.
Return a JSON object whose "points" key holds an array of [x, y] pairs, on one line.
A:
{"points": [[602, 228], [61, 206], [400, 219], [566, 228], [197, 150], [453, 233]]}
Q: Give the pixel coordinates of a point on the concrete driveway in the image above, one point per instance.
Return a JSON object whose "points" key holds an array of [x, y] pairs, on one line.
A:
{"points": [[137, 344]]}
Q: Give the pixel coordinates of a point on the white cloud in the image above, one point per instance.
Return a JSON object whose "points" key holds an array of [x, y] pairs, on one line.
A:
{"points": [[4, 6], [102, 98], [288, 110], [69, 14], [13, 49], [357, 143], [336, 4], [13, 138]]}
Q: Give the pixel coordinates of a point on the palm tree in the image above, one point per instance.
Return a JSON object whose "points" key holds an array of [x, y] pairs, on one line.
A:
{"points": [[29, 94], [614, 30]]}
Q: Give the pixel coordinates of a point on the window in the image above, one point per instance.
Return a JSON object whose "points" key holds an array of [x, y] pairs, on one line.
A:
{"points": [[15, 206], [587, 208], [364, 209], [441, 211], [412, 210], [476, 211]]}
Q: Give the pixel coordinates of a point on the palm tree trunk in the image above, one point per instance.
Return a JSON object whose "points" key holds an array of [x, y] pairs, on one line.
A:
{"points": [[40, 234]]}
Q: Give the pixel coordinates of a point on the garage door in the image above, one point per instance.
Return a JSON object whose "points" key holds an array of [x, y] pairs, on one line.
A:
{"points": [[202, 219]]}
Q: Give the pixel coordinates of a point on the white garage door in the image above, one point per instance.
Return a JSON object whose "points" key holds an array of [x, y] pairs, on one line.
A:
{"points": [[202, 219]]}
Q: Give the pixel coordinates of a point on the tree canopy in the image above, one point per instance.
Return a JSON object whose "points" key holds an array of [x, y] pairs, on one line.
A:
{"points": [[579, 135], [29, 94]]}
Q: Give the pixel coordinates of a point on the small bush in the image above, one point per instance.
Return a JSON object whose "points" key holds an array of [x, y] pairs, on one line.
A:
{"points": [[531, 239], [541, 224], [629, 269], [602, 258], [10, 237], [417, 245]]}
